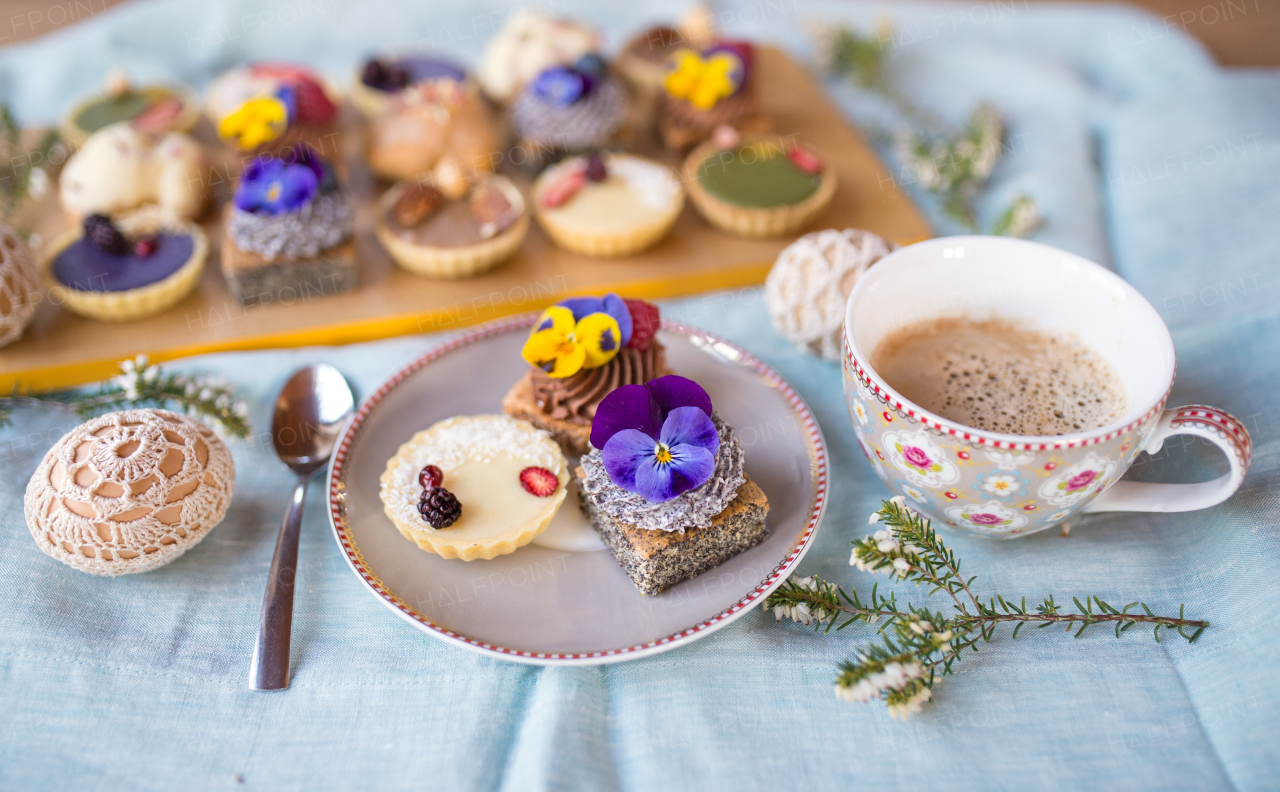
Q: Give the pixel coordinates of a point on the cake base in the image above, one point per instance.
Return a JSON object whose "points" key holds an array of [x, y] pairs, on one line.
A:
{"points": [[657, 560], [573, 436], [256, 281]]}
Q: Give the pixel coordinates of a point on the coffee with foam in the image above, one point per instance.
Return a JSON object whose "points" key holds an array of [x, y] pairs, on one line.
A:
{"points": [[1001, 376]]}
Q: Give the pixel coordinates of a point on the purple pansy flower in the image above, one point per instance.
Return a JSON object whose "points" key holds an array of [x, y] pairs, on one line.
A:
{"points": [[916, 457], [270, 185], [561, 86], [610, 304], [657, 440], [1081, 480], [982, 518]]}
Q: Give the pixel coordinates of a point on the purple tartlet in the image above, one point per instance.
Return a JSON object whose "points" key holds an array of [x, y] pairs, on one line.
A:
{"points": [[83, 267], [393, 74]]}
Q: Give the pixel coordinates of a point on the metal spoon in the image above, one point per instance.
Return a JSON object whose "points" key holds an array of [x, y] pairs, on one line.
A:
{"points": [[310, 411]]}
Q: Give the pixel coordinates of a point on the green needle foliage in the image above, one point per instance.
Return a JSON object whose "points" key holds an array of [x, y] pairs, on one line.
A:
{"points": [[953, 164], [20, 172], [919, 645], [139, 385]]}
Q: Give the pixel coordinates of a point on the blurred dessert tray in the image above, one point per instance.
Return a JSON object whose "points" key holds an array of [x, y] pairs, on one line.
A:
{"points": [[61, 349]]}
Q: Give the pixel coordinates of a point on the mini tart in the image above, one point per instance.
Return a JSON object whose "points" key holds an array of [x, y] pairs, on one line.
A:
{"points": [[140, 302], [631, 210], [462, 261], [481, 457], [748, 221], [371, 102], [75, 130]]}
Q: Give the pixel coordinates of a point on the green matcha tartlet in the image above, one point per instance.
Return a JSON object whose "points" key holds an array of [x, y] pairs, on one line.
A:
{"points": [[764, 186]]}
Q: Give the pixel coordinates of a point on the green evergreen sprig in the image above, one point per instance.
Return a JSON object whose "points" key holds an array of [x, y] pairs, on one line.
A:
{"points": [[20, 173], [140, 385], [953, 164], [919, 645]]}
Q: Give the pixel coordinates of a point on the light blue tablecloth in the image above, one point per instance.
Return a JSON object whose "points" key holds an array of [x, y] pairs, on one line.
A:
{"points": [[1143, 155]]}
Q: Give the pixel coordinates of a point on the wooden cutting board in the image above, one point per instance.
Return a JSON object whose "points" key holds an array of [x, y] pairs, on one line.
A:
{"points": [[61, 349]]}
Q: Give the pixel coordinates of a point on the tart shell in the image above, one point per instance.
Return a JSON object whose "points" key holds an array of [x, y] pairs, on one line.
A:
{"points": [[774, 221], [448, 544], [76, 136], [451, 262], [131, 304], [607, 244]]}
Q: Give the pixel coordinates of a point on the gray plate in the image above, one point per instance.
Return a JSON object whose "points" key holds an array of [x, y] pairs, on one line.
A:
{"points": [[551, 606]]}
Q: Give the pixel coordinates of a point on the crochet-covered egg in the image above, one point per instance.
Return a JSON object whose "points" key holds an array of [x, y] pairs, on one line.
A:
{"points": [[19, 285], [809, 284], [129, 491]]}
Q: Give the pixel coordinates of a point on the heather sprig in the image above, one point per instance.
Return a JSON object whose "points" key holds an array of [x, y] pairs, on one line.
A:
{"points": [[953, 164], [919, 645], [20, 173], [141, 385]]}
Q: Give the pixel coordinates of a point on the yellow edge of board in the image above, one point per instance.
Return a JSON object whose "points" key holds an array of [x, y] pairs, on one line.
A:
{"points": [[81, 372]]}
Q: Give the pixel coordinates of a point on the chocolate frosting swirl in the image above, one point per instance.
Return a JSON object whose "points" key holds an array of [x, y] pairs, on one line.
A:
{"points": [[576, 398]]}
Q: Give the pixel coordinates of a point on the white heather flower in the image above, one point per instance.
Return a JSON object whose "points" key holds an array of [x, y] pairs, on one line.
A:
{"points": [[38, 184], [901, 565], [942, 637], [240, 408], [875, 518], [898, 499], [912, 705]]}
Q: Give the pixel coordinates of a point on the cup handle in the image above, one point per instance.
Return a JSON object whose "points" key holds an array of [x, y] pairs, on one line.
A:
{"points": [[1212, 424]]}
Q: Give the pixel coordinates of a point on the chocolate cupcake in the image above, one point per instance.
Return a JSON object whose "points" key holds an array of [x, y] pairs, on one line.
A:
{"points": [[705, 90], [266, 108], [565, 385]]}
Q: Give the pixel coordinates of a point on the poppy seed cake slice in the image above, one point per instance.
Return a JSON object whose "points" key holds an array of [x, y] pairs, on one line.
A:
{"points": [[657, 560]]}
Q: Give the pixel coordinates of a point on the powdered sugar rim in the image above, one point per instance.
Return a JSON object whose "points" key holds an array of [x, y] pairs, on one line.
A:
{"points": [[449, 443]]}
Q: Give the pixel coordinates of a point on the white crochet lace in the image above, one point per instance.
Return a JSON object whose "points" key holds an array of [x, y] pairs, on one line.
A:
{"points": [[129, 491], [810, 282], [19, 282]]}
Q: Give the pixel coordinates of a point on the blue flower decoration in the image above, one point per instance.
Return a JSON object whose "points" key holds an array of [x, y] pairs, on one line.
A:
{"points": [[561, 86], [271, 185], [657, 440]]}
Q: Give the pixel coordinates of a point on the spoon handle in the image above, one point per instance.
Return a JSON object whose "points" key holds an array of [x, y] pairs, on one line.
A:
{"points": [[270, 669]]}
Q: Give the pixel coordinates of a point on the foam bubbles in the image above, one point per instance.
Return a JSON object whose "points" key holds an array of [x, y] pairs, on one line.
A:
{"points": [[1001, 376]]}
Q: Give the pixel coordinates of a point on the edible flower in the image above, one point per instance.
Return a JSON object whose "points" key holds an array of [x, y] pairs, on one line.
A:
{"points": [[563, 345], [611, 304], [657, 440], [271, 185], [562, 86], [704, 81], [257, 121]]}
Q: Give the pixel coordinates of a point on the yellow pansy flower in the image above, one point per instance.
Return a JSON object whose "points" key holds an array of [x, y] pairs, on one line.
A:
{"points": [[703, 81], [257, 121], [562, 348]]}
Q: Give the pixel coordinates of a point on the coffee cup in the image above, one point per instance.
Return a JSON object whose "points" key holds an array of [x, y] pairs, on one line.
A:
{"points": [[1005, 485]]}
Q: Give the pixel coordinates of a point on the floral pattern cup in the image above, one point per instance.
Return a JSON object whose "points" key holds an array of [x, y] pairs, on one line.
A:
{"points": [[1004, 486]]}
